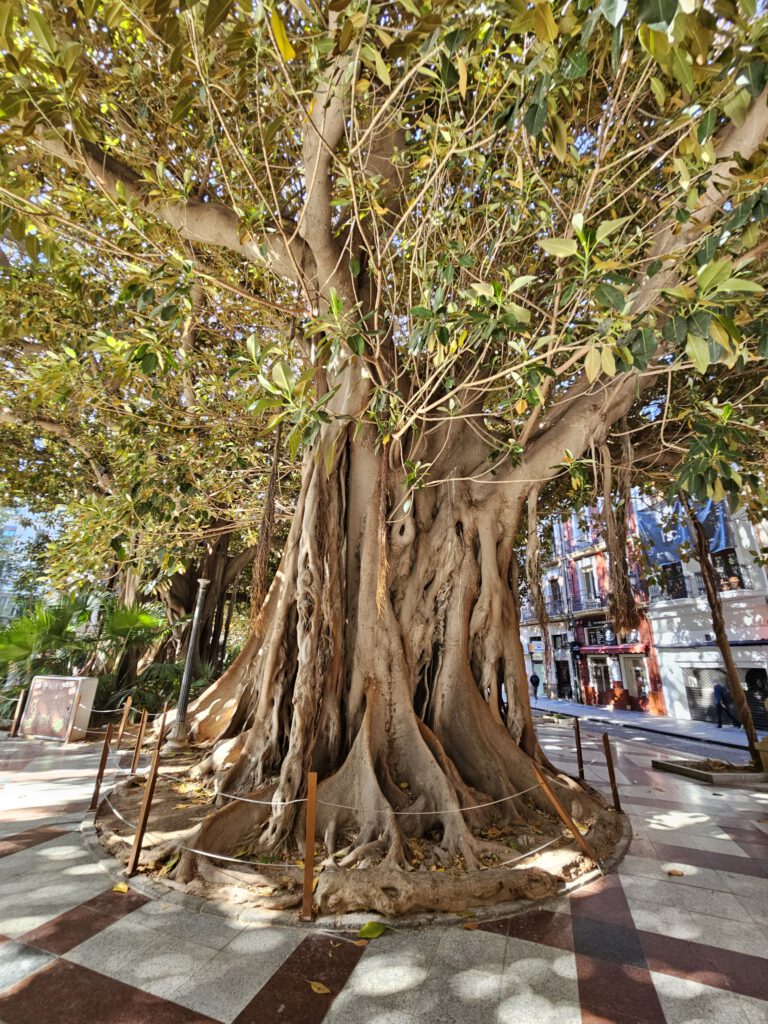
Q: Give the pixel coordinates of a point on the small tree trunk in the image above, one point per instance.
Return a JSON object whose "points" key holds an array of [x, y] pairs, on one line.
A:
{"points": [[709, 576]]}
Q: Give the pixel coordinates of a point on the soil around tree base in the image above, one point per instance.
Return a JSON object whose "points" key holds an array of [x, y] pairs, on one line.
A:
{"points": [[272, 886], [714, 772]]}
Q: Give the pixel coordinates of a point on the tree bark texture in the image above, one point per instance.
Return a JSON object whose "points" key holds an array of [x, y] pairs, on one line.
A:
{"points": [[708, 574]]}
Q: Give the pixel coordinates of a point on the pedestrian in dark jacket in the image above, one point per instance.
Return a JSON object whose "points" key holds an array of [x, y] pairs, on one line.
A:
{"points": [[722, 700]]}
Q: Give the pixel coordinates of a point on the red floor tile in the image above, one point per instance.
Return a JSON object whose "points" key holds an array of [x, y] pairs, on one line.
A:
{"points": [[708, 965], [288, 998], [66, 993], [613, 993], [75, 926], [31, 837]]}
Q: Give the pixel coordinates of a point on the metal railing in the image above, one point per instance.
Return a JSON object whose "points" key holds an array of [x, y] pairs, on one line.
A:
{"points": [[732, 577], [677, 589], [582, 603]]}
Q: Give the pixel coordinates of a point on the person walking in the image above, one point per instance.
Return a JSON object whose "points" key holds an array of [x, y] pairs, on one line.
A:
{"points": [[535, 686], [722, 700]]}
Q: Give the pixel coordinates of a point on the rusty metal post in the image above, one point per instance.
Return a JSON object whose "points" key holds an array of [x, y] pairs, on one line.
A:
{"points": [[102, 766], [139, 741], [611, 772], [146, 805], [124, 721], [579, 755], [17, 714], [309, 852], [564, 815]]}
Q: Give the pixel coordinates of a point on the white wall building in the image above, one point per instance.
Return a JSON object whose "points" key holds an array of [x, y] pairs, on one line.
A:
{"points": [[689, 660]]}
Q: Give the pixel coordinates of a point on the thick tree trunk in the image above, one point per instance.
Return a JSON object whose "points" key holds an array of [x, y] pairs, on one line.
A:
{"points": [[704, 555], [383, 645]]}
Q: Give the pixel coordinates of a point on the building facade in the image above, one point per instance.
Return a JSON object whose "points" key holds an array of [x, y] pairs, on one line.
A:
{"points": [[670, 663]]}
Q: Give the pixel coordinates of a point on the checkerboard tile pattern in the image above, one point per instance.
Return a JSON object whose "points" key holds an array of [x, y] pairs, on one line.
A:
{"points": [[640, 945]]}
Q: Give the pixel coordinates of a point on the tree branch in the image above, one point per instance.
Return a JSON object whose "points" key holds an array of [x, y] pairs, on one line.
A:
{"points": [[206, 223], [102, 478]]}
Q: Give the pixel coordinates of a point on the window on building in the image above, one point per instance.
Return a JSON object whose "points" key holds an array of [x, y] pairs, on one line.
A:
{"points": [[675, 584], [555, 590], [588, 582], [596, 636], [560, 641], [599, 674], [729, 572]]}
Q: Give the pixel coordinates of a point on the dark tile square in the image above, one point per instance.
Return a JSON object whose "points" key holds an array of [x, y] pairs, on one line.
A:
{"points": [[605, 941], [66, 993], [616, 992]]}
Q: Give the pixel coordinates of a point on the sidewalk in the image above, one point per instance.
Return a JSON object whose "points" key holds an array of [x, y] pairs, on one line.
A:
{"points": [[728, 736], [676, 936]]}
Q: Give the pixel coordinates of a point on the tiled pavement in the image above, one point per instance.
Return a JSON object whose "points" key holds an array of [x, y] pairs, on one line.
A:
{"points": [[641, 945], [708, 732]]}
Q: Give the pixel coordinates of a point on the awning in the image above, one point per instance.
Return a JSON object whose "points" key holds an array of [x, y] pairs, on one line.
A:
{"points": [[615, 649]]}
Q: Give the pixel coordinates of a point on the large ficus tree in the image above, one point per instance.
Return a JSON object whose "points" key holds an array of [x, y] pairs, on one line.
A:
{"points": [[477, 237]]}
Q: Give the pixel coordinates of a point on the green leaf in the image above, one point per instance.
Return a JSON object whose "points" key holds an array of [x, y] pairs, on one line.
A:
{"points": [[754, 77], [706, 126], [736, 107], [657, 14], [215, 13], [535, 118], [659, 92], [372, 930], [41, 32], [356, 343], [740, 284], [610, 297], [608, 361], [712, 274], [521, 282], [643, 347], [675, 330], [575, 65], [560, 246], [607, 227], [592, 364], [681, 64], [544, 24], [282, 377], [382, 71], [282, 41], [697, 350], [520, 313], [613, 11], [483, 288], [181, 107]]}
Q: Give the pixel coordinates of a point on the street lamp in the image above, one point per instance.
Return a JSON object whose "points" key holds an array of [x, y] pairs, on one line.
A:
{"points": [[178, 738]]}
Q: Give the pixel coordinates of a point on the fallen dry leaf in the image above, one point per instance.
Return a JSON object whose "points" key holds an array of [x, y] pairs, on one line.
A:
{"points": [[320, 988], [120, 887], [470, 926], [359, 942], [676, 872]]}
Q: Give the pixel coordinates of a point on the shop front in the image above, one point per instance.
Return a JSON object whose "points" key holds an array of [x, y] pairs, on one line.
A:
{"points": [[616, 676]]}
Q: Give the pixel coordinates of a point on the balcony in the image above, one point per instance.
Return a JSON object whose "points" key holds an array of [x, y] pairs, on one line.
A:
{"points": [[730, 577], [677, 589], [683, 588], [556, 609], [582, 603]]}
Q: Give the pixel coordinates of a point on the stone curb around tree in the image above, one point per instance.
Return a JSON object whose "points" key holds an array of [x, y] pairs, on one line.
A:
{"points": [[155, 890]]}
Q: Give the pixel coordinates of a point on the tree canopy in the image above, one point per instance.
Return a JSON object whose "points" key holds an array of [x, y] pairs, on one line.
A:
{"points": [[460, 255]]}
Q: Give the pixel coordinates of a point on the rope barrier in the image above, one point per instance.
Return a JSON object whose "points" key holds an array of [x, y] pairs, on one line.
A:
{"points": [[530, 853], [264, 803], [448, 810], [237, 860]]}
